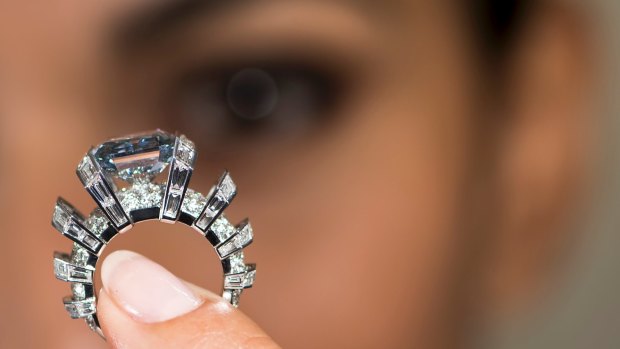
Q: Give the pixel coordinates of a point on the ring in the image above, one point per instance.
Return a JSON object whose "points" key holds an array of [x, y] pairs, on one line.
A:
{"points": [[120, 175]]}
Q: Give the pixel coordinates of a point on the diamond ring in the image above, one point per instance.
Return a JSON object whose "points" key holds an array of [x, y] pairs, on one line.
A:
{"points": [[120, 175]]}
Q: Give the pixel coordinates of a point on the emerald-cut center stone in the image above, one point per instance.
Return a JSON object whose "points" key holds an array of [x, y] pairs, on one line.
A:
{"points": [[138, 157]]}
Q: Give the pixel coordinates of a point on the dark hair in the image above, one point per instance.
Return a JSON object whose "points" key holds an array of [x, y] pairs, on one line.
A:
{"points": [[497, 22]]}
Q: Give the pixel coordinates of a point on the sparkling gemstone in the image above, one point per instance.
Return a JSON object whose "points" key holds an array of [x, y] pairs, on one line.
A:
{"points": [[226, 248], [240, 240], [79, 274], [207, 217], [249, 278], [233, 281], [173, 204], [60, 269], [245, 236], [141, 195], [193, 203], [80, 308], [97, 223], [79, 256], [237, 264], [222, 228], [78, 290], [91, 242], [61, 217], [86, 170], [240, 280], [227, 188], [136, 157], [186, 151]]}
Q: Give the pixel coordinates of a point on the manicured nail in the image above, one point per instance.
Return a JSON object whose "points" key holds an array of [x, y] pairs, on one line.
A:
{"points": [[145, 289]]}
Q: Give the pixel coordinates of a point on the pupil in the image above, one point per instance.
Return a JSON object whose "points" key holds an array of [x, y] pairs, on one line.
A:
{"points": [[252, 94]]}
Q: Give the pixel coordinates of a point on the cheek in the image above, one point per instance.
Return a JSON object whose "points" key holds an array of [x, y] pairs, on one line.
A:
{"points": [[364, 220]]}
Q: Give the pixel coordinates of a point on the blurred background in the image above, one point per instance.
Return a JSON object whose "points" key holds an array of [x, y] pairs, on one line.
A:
{"points": [[585, 312], [478, 141]]}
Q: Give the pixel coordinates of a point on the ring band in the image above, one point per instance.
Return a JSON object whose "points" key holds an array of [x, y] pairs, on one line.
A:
{"points": [[136, 160]]}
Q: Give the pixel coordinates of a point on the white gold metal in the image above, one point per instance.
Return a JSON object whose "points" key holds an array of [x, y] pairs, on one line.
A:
{"points": [[144, 200]]}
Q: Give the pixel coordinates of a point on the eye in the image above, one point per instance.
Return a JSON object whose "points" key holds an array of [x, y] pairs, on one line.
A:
{"points": [[249, 101], [252, 94]]}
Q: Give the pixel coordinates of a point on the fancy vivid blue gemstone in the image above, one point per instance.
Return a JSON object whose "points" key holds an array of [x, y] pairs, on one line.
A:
{"points": [[138, 157]]}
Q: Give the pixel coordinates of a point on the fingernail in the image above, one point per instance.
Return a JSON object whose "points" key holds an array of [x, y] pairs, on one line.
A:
{"points": [[145, 289]]}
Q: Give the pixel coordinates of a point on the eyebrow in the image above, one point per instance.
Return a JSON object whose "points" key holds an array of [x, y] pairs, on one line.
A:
{"points": [[150, 22], [147, 24]]}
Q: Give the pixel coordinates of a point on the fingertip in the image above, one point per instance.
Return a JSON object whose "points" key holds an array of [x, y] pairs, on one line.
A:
{"points": [[113, 261]]}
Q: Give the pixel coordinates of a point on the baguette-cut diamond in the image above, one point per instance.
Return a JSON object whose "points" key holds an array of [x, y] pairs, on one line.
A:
{"points": [[241, 280], [86, 170], [66, 271], [138, 157], [80, 308], [61, 217], [61, 269], [219, 198], [69, 222], [100, 190], [227, 188], [186, 151], [181, 168], [241, 239]]}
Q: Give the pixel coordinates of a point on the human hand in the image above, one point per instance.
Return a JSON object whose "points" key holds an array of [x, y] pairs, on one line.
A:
{"points": [[143, 305]]}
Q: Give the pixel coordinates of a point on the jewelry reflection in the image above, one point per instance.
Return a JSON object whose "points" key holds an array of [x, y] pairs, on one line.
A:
{"points": [[120, 175]]}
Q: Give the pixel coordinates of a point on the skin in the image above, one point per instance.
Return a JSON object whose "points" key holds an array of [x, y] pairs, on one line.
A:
{"points": [[434, 198]]}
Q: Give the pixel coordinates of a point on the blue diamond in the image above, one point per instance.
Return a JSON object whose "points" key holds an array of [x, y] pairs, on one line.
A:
{"points": [[138, 157]]}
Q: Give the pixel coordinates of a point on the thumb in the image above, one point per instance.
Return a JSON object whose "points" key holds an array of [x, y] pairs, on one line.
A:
{"points": [[143, 305]]}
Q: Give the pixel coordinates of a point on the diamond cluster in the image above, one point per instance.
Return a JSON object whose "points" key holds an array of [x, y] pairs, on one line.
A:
{"points": [[140, 196], [137, 160], [193, 203]]}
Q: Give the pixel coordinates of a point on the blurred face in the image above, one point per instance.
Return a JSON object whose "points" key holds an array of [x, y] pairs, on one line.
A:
{"points": [[352, 130]]}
